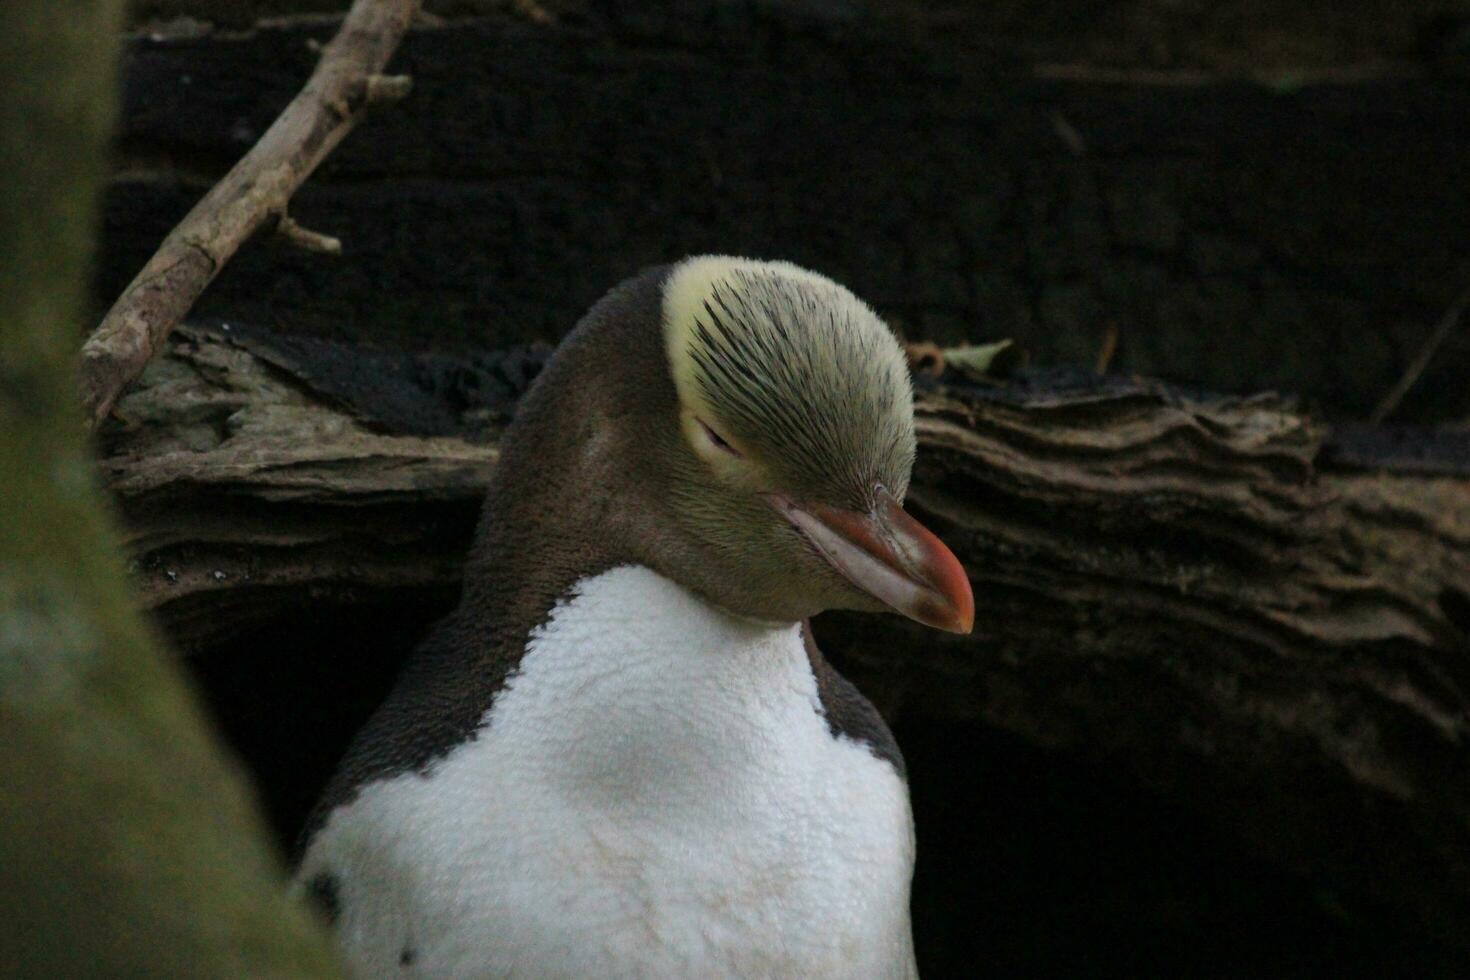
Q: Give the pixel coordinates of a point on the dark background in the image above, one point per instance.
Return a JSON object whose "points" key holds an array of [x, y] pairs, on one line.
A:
{"points": [[1251, 195]]}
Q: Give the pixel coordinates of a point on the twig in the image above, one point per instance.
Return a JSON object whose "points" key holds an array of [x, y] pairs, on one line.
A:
{"points": [[532, 11], [1421, 360], [382, 89], [347, 79], [306, 239], [1108, 349], [1068, 134]]}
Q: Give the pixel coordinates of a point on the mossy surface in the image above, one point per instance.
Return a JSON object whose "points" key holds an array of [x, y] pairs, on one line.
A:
{"points": [[128, 845]]}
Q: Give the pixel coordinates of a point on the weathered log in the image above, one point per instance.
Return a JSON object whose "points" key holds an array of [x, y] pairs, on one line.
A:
{"points": [[245, 496], [1185, 586], [1242, 236]]}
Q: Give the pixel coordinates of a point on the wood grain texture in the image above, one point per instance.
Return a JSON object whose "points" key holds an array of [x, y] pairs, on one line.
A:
{"points": [[1177, 584]]}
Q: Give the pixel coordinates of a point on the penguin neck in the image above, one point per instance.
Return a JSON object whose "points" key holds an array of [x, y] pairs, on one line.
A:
{"points": [[544, 527], [564, 502]]}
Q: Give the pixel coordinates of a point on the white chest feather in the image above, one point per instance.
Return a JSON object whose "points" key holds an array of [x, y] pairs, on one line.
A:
{"points": [[654, 794]]}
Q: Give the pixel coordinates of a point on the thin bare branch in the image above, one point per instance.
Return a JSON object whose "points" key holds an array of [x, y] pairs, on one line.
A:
{"points": [[347, 80], [382, 89], [306, 239], [1410, 377], [1108, 349]]}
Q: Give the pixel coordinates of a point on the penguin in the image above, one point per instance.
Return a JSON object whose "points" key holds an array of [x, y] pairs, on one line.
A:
{"points": [[622, 754]]}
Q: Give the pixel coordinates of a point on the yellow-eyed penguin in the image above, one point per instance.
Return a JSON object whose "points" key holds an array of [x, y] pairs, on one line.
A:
{"points": [[622, 755]]}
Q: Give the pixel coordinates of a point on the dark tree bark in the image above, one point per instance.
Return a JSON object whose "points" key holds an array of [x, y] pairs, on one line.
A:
{"points": [[128, 845], [1238, 235], [1268, 625]]}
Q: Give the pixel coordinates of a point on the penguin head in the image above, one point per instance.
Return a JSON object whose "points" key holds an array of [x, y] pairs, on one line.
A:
{"points": [[789, 451]]}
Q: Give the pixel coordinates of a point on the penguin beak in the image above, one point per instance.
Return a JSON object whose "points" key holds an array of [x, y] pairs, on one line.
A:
{"points": [[890, 556]]}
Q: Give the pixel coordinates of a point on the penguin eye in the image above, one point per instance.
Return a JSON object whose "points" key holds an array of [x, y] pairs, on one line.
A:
{"points": [[717, 440]]}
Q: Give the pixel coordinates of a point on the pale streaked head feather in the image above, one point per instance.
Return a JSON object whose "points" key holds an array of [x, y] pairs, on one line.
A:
{"points": [[794, 369]]}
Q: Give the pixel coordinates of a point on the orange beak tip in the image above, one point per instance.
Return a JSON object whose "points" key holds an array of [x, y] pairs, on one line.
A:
{"points": [[891, 557]]}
